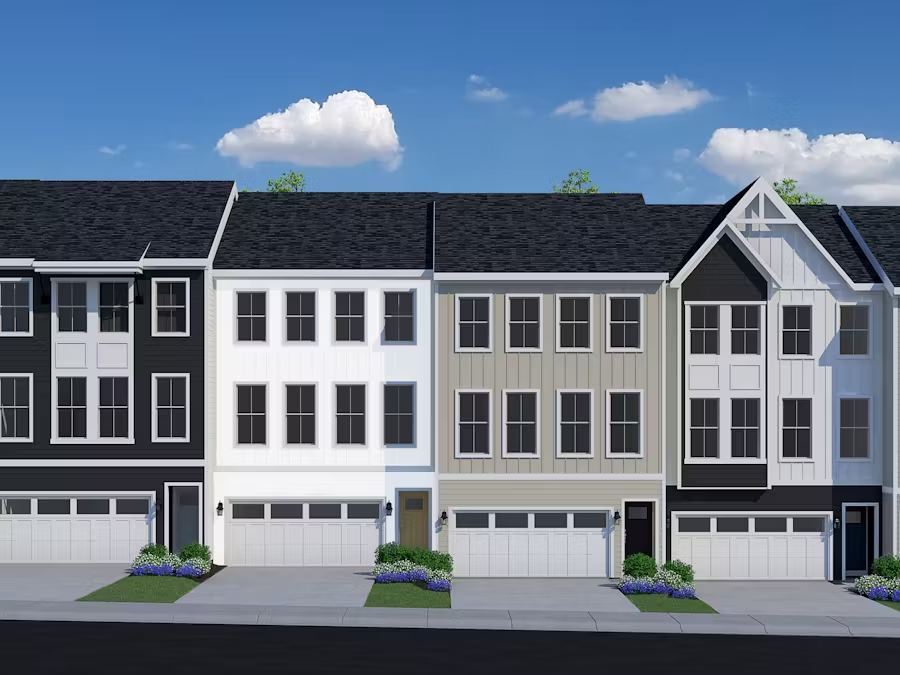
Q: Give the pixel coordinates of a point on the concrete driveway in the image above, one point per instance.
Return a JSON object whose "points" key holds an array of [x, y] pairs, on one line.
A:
{"points": [[59, 582], [298, 586], [812, 598], [597, 595]]}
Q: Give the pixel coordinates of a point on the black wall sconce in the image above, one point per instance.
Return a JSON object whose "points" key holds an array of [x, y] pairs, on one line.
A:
{"points": [[389, 508], [444, 517], [837, 523], [617, 517], [668, 523], [220, 509]]}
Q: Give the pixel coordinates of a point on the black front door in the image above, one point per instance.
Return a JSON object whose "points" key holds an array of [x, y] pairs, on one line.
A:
{"points": [[639, 528], [856, 541]]}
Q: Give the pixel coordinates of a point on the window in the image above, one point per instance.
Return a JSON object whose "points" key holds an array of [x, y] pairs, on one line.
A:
{"points": [[300, 408], [171, 307], [854, 428], [624, 410], [113, 307], [624, 323], [595, 520], [71, 307], [745, 329], [551, 520], [520, 417], [474, 323], [171, 405], [132, 507], [809, 525], [286, 511], [854, 331], [16, 507], [248, 511], [251, 414], [510, 520], [732, 524], [351, 414], [113, 407], [472, 520], [325, 511], [54, 507], [300, 316], [15, 407], [473, 417], [15, 307], [371, 511], [71, 405], [770, 524], [92, 507], [251, 317], [350, 317], [399, 324], [704, 427], [399, 406], [704, 329], [745, 427], [575, 323], [796, 433], [693, 524], [524, 322], [575, 423], [797, 331]]}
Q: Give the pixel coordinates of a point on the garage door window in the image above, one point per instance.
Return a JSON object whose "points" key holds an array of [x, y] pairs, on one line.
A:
{"points": [[590, 520], [770, 524], [364, 511], [287, 511], [809, 525], [693, 524], [509, 520], [325, 511], [550, 520], [54, 507], [472, 520], [132, 507], [248, 511], [15, 507], [732, 524], [92, 506]]}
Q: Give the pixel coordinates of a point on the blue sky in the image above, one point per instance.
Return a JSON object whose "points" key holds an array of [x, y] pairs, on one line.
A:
{"points": [[159, 84]]}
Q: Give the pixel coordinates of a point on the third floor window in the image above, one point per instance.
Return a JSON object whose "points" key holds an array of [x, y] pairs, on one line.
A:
{"points": [[113, 307], [474, 322], [350, 316], [704, 329], [745, 329], [399, 318], [251, 316], [796, 326], [854, 329], [171, 314], [71, 307]]}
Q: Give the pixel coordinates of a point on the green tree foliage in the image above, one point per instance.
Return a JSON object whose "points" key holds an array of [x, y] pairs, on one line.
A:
{"points": [[286, 182], [787, 190], [577, 182]]}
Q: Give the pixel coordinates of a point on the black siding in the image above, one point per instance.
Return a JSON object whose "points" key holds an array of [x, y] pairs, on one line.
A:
{"points": [[723, 475], [725, 274]]}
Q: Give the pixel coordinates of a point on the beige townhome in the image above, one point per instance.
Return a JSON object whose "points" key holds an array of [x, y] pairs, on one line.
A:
{"points": [[548, 378]]}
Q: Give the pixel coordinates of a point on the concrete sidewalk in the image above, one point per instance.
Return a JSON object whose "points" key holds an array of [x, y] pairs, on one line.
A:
{"points": [[472, 619]]}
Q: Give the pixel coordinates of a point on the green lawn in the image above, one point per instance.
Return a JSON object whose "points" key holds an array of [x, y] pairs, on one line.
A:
{"points": [[655, 602], [406, 595], [143, 589], [888, 603]]}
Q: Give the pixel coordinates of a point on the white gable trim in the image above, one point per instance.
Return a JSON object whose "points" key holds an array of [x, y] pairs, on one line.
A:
{"points": [[232, 198], [725, 228]]}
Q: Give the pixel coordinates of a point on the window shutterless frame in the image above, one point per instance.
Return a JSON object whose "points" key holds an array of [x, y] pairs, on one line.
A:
{"points": [[414, 414], [315, 414], [812, 331], [8, 293], [154, 384], [335, 316], [838, 425], [17, 406], [490, 424], [415, 316], [558, 318], [236, 293], [504, 420], [813, 429], [591, 422], [267, 411], [609, 422], [609, 321], [154, 282], [366, 414], [490, 322], [510, 297], [868, 330], [285, 315]]}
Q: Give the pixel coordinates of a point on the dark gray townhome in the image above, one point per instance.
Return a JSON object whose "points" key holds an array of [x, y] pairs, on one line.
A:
{"points": [[105, 311]]}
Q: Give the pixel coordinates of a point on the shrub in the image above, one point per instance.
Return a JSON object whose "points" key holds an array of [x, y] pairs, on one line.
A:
{"points": [[405, 571], [871, 582], [639, 565], [195, 550], [157, 550], [201, 564], [887, 566], [391, 553], [682, 569], [664, 582]]}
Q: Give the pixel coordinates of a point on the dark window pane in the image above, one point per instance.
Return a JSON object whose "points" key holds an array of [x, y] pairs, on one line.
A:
{"points": [[481, 336], [551, 520], [364, 511], [308, 430], [92, 506], [358, 430], [286, 511], [810, 525], [106, 423], [732, 524], [472, 520], [15, 507], [79, 423], [248, 511], [258, 426], [770, 524], [592, 520], [481, 439], [693, 524], [132, 507], [325, 511], [510, 520], [293, 428], [53, 507]]}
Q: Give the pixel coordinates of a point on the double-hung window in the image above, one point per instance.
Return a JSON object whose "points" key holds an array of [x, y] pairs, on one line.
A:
{"points": [[624, 423], [574, 323], [523, 322], [745, 427], [350, 316], [854, 330], [251, 316], [745, 329], [399, 414], [71, 307], [300, 315], [704, 329], [170, 407], [399, 316], [624, 324], [473, 322], [350, 413], [575, 434], [113, 407], [704, 432], [854, 431], [15, 408], [251, 414], [520, 419], [300, 409], [473, 424], [113, 307], [796, 423], [796, 328], [71, 406], [170, 307], [15, 307]]}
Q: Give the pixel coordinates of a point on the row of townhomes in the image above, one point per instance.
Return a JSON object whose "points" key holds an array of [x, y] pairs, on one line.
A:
{"points": [[538, 384]]}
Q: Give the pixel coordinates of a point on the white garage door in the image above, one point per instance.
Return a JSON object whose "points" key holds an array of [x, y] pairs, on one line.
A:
{"points": [[530, 544], [773, 546], [312, 534], [73, 529]]}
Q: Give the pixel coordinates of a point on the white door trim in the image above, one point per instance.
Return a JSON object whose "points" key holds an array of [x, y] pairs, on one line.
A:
{"points": [[877, 547], [167, 506]]}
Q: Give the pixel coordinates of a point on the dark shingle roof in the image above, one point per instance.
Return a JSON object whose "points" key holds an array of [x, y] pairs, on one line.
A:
{"points": [[328, 230], [826, 225], [109, 220], [879, 227]]}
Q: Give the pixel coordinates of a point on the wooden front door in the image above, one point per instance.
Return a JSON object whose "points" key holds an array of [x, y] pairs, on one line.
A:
{"points": [[414, 510]]}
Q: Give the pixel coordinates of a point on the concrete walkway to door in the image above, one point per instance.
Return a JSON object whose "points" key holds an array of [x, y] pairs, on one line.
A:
{"points": [[56, 581], [586, 595], [788, 598], [279, 586]]}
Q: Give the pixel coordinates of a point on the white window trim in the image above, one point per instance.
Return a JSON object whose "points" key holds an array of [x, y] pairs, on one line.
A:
{"points": [[719, 459], [365, 317], [30, 437], [483, 350], [571, 455], [642, 416], [837, 429], [724, 429], [316, 415], [415, 316], [869, 342], [537, 425], [187, 307], [366, 416], [690, 304], [30, 331], [641, 323], [540, 347], [490, 452], [812, 332], [812, 428], [284, 336], [576, 350], [250, 343], [415, 411], [241, 446], [187, 407]]}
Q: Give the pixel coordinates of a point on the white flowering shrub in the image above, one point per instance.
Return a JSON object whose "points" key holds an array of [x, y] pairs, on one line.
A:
{"points": [[199, 563], [404, 570], [865, 584]]}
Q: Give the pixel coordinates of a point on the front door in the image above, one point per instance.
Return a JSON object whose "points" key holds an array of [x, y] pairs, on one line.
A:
{"points": [[856, 541], [184, 516], [638, 528], [414, 511]]}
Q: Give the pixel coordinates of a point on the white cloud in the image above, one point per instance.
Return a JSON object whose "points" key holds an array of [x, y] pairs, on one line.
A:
{"points": [[681, 155], [842, 168], [636, 100], [479, 89], [575, 108], [349, 128], [106, 150], [674, 176]]}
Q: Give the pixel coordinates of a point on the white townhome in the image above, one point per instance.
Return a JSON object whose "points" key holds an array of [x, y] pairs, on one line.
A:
{"points": [[320, 410]]}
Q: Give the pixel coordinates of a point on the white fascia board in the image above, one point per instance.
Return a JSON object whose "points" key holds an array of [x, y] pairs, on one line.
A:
{"points": [[16, 263], [232, 198], [321, 274], [88, 267], [654, 277], [174, 263], [726, 228]]}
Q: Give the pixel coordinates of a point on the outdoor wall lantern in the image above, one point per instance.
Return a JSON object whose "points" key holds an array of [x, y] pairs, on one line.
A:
{"points": [[220, 509], [389, 508], [837, 523], [444, 517], [617, 517]]}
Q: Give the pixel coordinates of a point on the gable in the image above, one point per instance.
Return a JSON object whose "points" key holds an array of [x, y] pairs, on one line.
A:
{"points": [[725, 274]]}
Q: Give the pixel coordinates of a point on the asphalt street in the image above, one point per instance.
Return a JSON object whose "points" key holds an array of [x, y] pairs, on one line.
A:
{"points": [[98, 648]]}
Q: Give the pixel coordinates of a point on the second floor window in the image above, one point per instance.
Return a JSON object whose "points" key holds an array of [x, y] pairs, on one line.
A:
{"points": [[350, 316], [796, 434], [113, 407], [704, 432], [399, 318], [796, 338], [854, 440], [398, 414], [301, 316], [704, 329], [351, 414], [251, 414], [521, 415], [575, 423], [15, 307], [251, 316], [71, 405], [524, 322], [624, 423], [300, 408], [15, 404], [745, 329], [474, 322], [854, 330], [625, 323], [473, 432], [171, 306], [745, 427], [171, 407], [113, 307], [71, 307]]}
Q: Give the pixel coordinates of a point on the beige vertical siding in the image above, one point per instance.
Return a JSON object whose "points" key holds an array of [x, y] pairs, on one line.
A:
{"points": [[549, 371]]}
